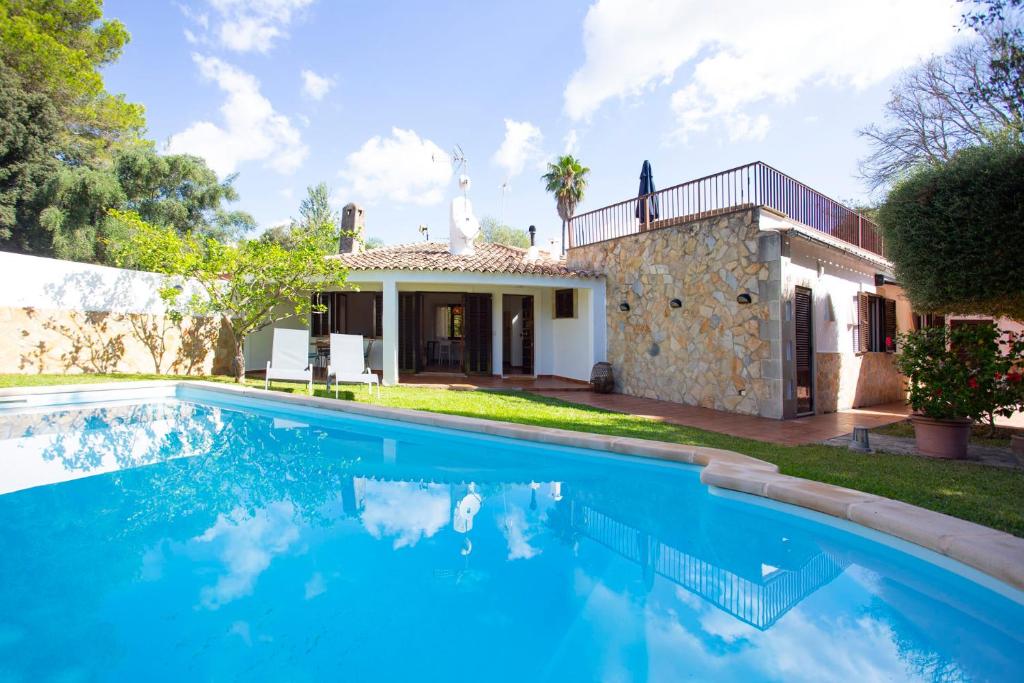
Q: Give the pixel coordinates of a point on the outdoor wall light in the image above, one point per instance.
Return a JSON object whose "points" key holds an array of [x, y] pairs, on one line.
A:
{"points": [[744, 298], [676, 303], [624, 306]]}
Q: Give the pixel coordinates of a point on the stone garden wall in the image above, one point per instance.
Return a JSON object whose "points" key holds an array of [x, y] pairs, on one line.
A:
{"points": [[711, 351]]}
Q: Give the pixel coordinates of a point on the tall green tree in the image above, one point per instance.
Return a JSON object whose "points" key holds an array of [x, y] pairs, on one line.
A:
{"points": [[315, 213], [182, 191], [954, 232], [496, 232], [28, 132], [58, 47], [566, 180], [248, 285], [68, 214]]}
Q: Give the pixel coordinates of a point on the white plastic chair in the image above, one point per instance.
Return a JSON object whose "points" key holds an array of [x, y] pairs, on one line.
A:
{"points": [[348, 364], [289, 358]]}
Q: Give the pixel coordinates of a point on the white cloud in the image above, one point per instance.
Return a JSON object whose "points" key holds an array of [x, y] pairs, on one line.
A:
{"points": [[520, 146], [314, 85], [518, 533], [405, 510], [747, 53], [246, 543], [403, 168], [572, 142], [252, 130], [242, 25], [254, 25]]}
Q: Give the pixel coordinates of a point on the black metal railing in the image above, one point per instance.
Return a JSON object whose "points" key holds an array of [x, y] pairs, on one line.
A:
{"points": [[756, 184]]}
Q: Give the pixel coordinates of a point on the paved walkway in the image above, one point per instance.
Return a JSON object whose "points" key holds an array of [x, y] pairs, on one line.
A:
{"points": [[901, 445], [802, 430]]}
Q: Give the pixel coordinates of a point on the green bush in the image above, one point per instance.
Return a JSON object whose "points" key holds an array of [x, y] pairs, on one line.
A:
{"points": [[955, 231], [971, 371]]}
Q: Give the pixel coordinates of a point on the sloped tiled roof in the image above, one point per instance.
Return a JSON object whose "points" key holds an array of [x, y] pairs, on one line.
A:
{"points": [[434, 256]]}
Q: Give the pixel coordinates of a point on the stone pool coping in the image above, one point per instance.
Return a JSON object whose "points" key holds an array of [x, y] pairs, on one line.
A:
{"points": [[996, 553]]}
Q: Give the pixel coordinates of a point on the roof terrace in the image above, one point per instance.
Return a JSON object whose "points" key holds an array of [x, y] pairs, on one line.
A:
{"points": [[756, 184]]}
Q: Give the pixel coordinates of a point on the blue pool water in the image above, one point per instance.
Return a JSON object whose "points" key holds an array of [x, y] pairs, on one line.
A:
{"points": [[194, 537]]}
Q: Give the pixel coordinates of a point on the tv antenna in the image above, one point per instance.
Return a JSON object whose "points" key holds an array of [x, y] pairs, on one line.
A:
{"points": [[506, 186], [459, 160], [425, 231]]}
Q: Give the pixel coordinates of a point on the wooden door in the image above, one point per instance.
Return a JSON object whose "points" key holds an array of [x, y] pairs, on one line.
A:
{"points": [[528, 367], [803, 305], [477, 332], [408, 331]]}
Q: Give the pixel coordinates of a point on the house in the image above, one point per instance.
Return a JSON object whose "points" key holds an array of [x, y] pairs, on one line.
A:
{"points": [[744, 291], [497, 311]]}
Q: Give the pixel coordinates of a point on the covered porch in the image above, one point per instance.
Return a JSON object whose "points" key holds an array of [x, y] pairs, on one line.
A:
{"points": [[433, 330]]}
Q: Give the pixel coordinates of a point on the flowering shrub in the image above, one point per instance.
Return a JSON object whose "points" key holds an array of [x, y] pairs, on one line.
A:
{"points": [[971, 371]]}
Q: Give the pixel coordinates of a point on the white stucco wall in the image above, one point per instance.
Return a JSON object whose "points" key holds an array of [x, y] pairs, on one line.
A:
{"points": [[843, 378], [45, 283], [574, 336]]}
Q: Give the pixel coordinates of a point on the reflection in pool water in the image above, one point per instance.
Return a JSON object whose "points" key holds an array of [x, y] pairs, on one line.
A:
{"points": [[302, 546]]}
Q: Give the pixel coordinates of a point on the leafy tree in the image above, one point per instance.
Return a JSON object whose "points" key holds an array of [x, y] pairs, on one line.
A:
{"points": [[373, 243], [28, 130], [182, 191], [58, 47], [954, 230], [249, 285], [942, 106], [498, 233], [316, 214], [566, 179], [68, 218], [1000, 21]]}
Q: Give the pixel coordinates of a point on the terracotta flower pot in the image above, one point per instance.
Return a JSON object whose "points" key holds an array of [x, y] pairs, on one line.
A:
{"points": [[941, 438]]}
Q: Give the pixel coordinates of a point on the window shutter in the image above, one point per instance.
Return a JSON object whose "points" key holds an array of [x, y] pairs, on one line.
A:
{"points": [[890, 325], [862, 339]]}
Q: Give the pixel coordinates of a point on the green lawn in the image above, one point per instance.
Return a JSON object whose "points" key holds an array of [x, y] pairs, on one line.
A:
{"points": [[981, 494]]}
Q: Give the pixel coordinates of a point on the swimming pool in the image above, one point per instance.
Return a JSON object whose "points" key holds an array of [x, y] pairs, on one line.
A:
{"points": [[185, 534]]}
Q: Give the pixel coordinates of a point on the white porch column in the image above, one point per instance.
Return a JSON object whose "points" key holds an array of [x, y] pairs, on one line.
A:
{"points": [[497, 335], [390, 332]]}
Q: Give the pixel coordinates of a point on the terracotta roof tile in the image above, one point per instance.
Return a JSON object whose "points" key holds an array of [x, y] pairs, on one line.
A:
{"points": [[489, 258]]}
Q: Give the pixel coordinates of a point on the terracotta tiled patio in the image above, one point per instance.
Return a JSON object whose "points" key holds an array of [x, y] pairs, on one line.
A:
{"points": [[787, 432]]}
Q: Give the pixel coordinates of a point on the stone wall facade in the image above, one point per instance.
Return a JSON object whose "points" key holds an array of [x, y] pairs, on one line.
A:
{"points": [[848, 380], [67, 341], [712, 351]]}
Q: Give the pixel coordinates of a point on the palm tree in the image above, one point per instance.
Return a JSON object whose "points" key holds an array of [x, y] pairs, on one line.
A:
{"points": [[566, 179]]}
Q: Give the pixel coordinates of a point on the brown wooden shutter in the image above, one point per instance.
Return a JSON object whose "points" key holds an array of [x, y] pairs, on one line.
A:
{"points": [[862, 340], [477, 330], [408, 328], [890, 325], [803, 337], [378, 314]]}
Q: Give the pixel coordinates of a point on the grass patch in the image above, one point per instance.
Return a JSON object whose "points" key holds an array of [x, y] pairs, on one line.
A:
{"points": [[981, 494], [981, 435]]}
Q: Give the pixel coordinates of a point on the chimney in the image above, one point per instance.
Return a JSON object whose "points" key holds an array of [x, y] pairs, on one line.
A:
{"points": [[533, 253], [353, 228]]}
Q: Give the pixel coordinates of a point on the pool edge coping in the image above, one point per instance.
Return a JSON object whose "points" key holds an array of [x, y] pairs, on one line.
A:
{"points": [[993, 552]]}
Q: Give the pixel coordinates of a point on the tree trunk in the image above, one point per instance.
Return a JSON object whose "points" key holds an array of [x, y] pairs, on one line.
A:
{"points": [[239, 363]]}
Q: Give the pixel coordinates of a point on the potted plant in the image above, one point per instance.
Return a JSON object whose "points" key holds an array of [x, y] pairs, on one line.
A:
{"points": [[956, 377]]}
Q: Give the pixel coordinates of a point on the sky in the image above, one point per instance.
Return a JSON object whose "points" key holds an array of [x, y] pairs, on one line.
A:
{"points": [[372, 98]]}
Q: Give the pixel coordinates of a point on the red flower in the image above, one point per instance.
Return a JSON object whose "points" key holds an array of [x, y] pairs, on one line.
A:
{"points": [[888, 341], [999, 376], [972, 383], [938, 392], [1013, 377]]}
